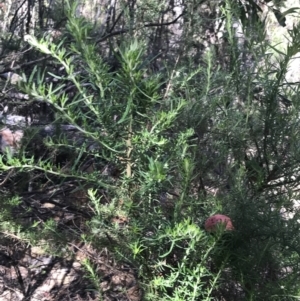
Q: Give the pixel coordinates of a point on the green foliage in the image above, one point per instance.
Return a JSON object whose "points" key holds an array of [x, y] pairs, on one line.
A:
{"points": [[188, 142], [142, 134], [92, 275], [186, 275]]}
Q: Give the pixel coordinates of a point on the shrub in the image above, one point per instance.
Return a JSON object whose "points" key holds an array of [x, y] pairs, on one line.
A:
{"points": [[184, 144]]}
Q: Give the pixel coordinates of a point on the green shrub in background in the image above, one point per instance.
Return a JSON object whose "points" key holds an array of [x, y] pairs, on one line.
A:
{"points": [[187, 143]]}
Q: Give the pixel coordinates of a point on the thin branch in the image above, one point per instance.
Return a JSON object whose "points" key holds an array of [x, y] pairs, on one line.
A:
{"points": [[11, 69], [119, 32]]}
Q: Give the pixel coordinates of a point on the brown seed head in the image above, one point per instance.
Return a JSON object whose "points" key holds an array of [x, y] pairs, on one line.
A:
{"points": [[212, 223]]}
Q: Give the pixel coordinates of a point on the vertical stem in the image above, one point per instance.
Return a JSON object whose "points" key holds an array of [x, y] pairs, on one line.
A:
{"points": [[129, 148]]}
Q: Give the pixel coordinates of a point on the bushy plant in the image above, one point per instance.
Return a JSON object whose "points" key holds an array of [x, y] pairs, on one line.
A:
{"points": [[184, 143]]}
